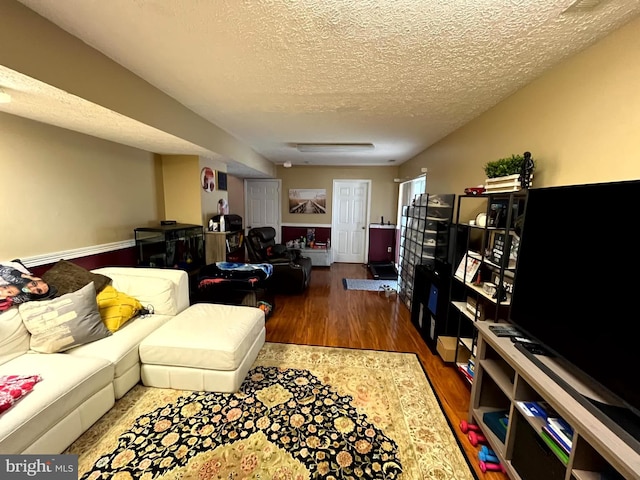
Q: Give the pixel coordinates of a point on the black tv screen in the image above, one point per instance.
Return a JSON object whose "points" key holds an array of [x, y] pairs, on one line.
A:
{"points": [[577, 283]]}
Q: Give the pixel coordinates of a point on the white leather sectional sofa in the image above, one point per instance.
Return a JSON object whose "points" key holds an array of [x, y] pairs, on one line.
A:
{"points": [[80, 385]]}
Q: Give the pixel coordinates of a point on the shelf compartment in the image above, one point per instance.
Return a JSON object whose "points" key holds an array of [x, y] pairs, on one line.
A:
{"points": [[532, 457], [491, 395], [588, 464], [501, 373], [478, 289]]}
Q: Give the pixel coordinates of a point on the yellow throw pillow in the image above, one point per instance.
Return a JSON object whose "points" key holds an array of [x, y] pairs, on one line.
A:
{"points": [[116, 308]]}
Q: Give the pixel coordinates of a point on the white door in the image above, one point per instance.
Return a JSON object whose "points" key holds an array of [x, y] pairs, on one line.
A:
{"points": [[349, 229], [262, 204]]}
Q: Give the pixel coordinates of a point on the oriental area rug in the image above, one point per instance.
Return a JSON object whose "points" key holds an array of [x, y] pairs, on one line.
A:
{"points": [[303, 412]]}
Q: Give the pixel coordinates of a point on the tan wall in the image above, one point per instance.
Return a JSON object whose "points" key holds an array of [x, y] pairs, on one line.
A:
{"points": [[235, 191], [63, 190], [580, 121], [384, 191], [43, 51], [209, 200]]}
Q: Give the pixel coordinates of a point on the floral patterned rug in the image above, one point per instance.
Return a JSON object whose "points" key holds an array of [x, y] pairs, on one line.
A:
{"points": [[302, 412]]}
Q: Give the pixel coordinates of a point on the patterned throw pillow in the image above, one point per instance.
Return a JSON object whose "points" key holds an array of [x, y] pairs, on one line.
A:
{"points": [[18, 285], [62, 323], [116, 308]]}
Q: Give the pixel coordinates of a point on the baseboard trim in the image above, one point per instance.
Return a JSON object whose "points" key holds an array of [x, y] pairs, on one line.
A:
{"points": [[53, 257]]}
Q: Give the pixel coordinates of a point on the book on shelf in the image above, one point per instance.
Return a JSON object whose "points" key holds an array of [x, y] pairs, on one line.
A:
{"points": [[535, 409], [556, 438], [560, 453], [562, 430], [462, 367], [497, 422], [468, 268]]}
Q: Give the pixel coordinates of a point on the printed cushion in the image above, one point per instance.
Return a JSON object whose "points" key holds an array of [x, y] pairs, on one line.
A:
{"points": [[68, 277], [61, 323], [12, 387], [18, 285], [116, 308]]}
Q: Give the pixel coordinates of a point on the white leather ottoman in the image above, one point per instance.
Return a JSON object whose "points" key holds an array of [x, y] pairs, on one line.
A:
{"points": [[206, 347]]}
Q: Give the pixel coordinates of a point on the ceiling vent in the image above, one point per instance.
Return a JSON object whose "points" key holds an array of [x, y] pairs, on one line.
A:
{"points": [[583, 6]]}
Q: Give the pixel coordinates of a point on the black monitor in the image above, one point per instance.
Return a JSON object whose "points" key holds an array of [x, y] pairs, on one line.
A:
{"points": [[577, 287]]}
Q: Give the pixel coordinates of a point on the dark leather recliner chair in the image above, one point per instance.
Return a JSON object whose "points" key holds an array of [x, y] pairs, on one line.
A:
{"points": [[291, 271]]}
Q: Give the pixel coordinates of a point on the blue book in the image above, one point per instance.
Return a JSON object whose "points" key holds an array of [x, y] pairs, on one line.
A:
{"points": [[557, 439], [562, 430], [535, 409]]}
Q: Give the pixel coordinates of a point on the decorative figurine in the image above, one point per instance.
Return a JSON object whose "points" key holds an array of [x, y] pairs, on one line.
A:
{"points": [[525, 170]]}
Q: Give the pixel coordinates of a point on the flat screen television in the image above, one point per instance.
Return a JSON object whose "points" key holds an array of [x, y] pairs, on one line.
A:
{"points": [[577, 290]]}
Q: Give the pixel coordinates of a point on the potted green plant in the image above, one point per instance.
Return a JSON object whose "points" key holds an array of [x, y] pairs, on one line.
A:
{"points": [[504, 166], [503, 175]]}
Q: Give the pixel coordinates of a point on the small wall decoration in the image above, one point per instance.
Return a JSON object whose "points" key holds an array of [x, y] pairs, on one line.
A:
{"points": [[307, 200], [223, 207], [208, 179], [222, 181]]}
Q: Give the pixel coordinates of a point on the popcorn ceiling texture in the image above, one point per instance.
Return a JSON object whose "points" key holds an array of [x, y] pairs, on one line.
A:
{"points": [[400, 74]]}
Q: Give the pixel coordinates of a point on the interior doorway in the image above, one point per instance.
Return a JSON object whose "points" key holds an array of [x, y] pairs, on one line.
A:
{"points": [[262, 204], [351, 204]]}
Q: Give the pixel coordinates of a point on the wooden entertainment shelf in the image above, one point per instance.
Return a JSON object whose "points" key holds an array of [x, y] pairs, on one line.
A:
{"points": [[505, 376]]}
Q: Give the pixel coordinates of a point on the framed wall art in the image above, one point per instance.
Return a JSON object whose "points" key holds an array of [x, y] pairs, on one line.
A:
{"points": [[307, 200], [222, 181]]}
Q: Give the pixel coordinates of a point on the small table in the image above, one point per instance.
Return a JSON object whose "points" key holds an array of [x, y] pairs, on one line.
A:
{"points": [[320, 257]]}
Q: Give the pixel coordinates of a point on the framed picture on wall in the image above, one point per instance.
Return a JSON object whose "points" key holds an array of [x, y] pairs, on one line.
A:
{"points": [[222, 181], [208, 179], [307, 200]]}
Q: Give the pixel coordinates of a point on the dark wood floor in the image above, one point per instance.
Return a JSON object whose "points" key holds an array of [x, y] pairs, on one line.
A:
{"points": [[327, 314]]}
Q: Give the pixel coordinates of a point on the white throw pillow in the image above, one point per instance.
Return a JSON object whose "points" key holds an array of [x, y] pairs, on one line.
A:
{"points": [[150, 291], [14, 337], [64, 322]]}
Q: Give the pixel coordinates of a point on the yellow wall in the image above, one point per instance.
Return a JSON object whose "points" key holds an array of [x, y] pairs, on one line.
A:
{"points": [[63, 190], [184, 198], [580, 121], [384, 191], [181, 177]]}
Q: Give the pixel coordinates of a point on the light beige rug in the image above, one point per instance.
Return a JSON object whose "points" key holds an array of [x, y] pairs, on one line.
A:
{"points": [[303, 412]]}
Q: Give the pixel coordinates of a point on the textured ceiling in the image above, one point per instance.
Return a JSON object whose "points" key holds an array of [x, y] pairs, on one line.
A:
{"points": [[399, 74]]}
